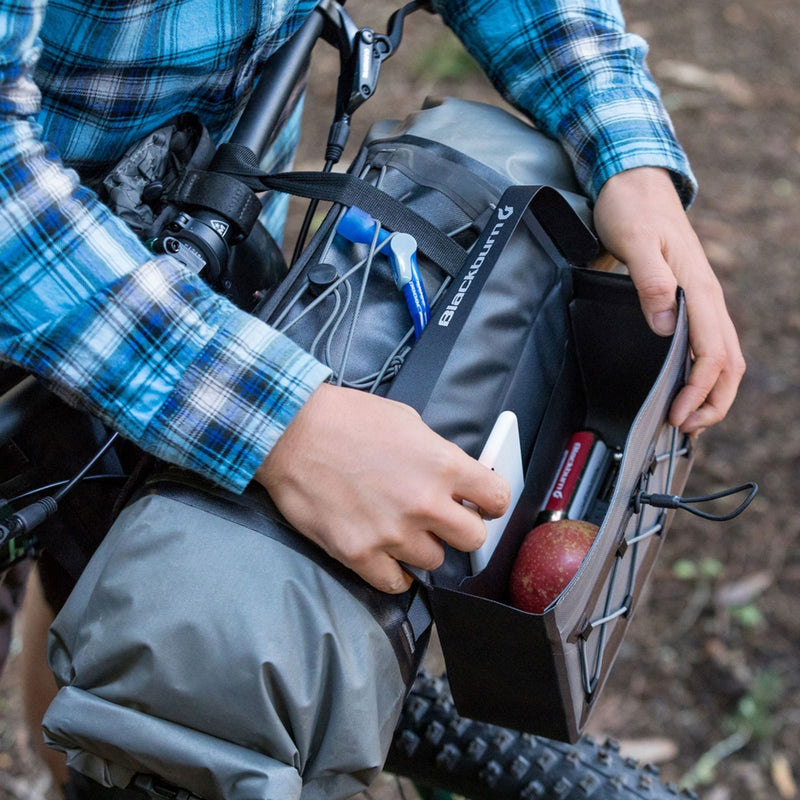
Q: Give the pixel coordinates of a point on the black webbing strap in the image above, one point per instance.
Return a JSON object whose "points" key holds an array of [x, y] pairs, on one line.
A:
{"points": [[220, 193], [338, 187]]}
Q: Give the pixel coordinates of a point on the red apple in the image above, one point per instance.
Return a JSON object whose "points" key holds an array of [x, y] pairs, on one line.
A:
{"points": [[547, 560]]}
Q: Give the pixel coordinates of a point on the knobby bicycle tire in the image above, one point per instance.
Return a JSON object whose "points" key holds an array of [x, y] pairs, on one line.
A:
{"points": [[435, 747]]}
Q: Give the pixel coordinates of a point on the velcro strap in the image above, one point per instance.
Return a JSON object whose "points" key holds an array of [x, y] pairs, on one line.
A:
{"points": [[220, 194]]}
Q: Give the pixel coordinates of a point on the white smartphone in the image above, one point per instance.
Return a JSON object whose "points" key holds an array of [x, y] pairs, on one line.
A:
{"points": [[502, 453]]}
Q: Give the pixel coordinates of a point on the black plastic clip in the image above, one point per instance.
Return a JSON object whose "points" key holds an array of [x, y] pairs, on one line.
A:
{"points": [[685, 503], [156, 789]]}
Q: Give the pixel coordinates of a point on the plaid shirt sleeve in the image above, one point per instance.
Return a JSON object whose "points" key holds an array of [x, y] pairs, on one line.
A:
{"points": [[138, 341], [572, 68]]}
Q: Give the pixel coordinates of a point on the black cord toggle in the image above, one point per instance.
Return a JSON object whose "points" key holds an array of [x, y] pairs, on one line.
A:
{"points": [[672, 501]]}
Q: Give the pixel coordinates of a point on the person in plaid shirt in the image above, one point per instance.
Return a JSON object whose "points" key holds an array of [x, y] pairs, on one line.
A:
{"points": [[140, 342]]}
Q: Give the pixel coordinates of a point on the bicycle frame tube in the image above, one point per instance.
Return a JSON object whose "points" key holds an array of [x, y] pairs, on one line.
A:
{"points": [[277, 81]]}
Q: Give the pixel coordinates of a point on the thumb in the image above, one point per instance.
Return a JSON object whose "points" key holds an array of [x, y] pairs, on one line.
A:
{"points": [[656, 286]]}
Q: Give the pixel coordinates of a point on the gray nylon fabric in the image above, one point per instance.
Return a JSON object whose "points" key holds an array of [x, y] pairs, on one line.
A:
{"points": [[496, 138], [249, 676]]}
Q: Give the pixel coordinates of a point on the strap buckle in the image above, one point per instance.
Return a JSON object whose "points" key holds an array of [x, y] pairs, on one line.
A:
{"points": [[157, 789]]}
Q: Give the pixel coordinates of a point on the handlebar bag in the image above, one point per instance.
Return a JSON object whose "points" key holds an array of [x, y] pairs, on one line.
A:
{"points": [[210, 645], [518, 322]]}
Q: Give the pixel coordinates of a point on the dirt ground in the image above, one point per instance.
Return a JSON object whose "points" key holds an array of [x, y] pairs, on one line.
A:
{"points": [[708, 681]]}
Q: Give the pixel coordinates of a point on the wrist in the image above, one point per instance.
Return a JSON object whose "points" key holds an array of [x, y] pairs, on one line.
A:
{"points": [[646, 182]]}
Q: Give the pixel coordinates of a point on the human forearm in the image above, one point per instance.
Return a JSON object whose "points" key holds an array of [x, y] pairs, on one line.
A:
{"points": [[175, 369], [139, 342], [575, 71]]}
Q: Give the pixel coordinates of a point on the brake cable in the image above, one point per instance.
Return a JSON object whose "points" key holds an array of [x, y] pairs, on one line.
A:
{"points": [[361, 54]]}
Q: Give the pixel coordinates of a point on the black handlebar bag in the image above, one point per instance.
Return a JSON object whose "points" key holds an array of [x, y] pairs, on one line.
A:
{"points": [[209, 644], [517, 322], [542, 673]]}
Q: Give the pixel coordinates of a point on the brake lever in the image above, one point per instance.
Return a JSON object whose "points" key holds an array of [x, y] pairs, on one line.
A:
{"points": [[394, 28], [361, 54]]}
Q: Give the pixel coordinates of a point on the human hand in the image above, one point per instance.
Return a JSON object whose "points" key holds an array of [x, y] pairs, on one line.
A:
{"points": [[367, 480], [640, 220]]}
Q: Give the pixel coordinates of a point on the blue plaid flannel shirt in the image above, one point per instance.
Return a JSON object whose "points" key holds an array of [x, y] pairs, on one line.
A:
{"points": [[138, 340]]}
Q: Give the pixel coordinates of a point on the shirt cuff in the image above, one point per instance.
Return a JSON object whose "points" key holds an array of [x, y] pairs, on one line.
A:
{"points": [[620, 129], [233, 400]]}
